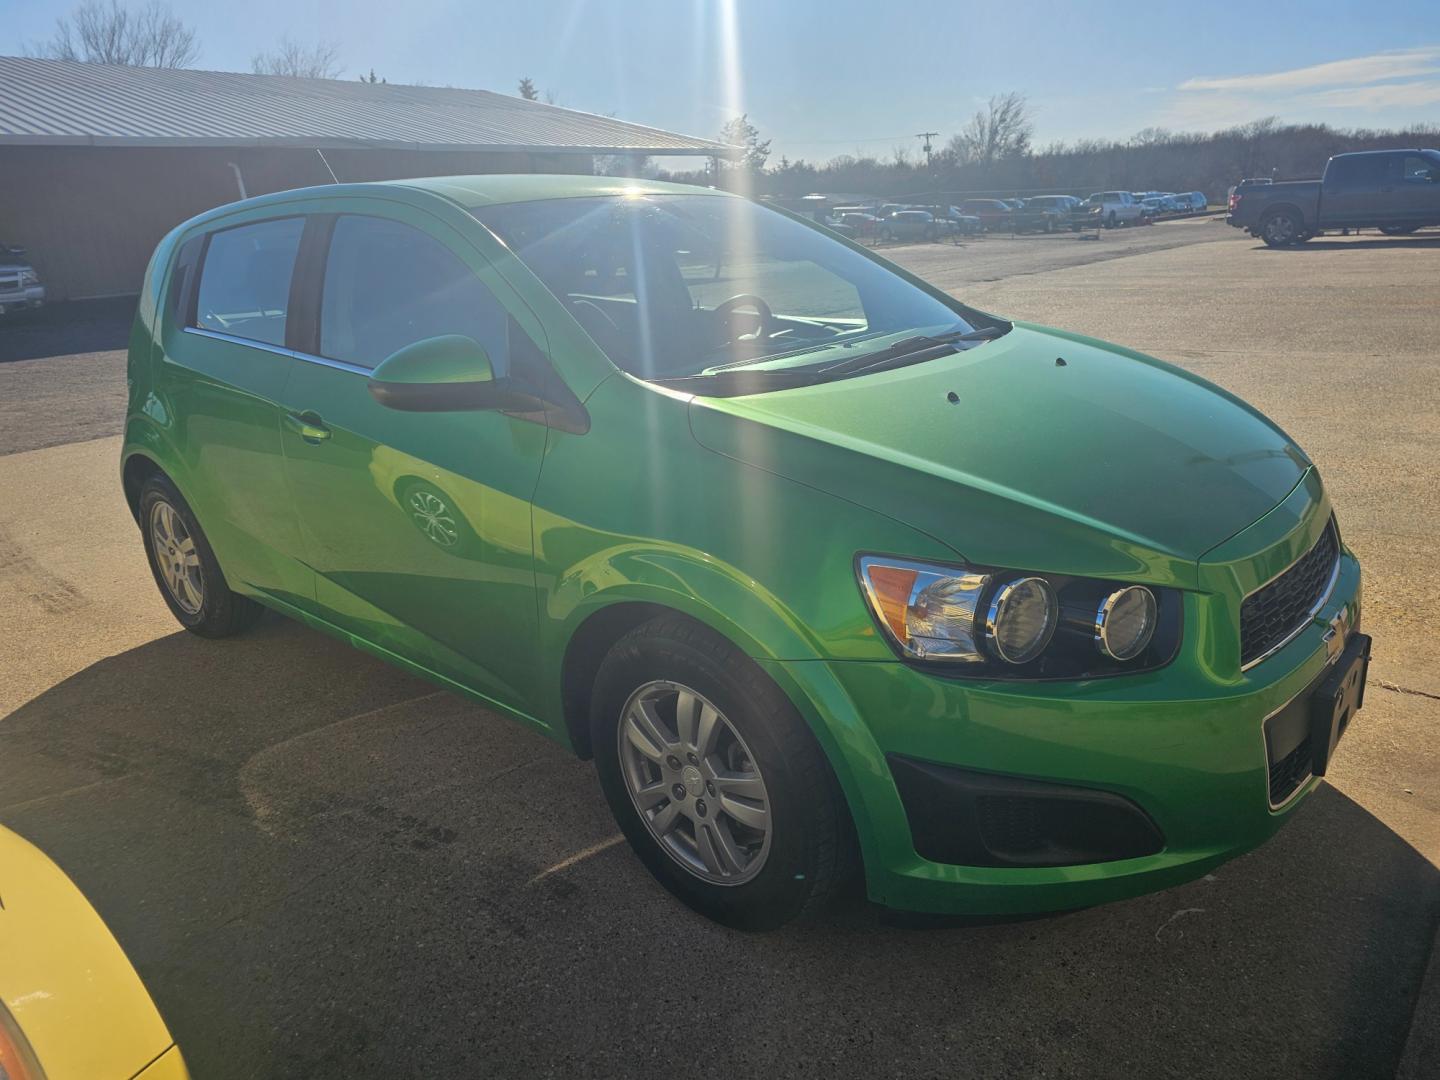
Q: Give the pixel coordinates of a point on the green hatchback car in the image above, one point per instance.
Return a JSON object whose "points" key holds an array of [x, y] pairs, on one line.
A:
{"points": [[829, 572]]}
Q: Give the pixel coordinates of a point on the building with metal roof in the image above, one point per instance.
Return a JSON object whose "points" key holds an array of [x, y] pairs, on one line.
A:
{"points": [[97, 161]]}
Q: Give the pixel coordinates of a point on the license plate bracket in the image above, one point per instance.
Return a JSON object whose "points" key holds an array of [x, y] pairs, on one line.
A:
{"points": [[1337, 699]]}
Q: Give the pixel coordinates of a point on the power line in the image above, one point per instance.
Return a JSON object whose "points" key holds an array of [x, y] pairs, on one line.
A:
{"points": [[927, 136]]}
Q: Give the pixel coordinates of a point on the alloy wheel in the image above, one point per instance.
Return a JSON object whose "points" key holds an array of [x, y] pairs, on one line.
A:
{"points": [[176, 557], [694, 783], [433, 518], [1280, 229]]}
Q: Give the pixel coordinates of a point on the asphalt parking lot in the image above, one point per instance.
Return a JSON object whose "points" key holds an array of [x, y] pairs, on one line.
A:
{"points": [[323, 867]]}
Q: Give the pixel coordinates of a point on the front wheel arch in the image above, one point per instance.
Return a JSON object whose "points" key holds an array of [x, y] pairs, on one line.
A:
{"points": [[137, 469]]}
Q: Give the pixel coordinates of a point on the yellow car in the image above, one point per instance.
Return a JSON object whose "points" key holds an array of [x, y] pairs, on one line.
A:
{"points": [[71, 1006]]}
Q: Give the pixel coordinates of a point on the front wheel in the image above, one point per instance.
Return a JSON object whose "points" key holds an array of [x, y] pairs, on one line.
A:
{"points": [[1111, 221], [715, 779], [1282, 229], [185, 567]]}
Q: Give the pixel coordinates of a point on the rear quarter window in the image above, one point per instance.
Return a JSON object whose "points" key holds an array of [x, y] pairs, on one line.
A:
{"points": [[244, 288]]}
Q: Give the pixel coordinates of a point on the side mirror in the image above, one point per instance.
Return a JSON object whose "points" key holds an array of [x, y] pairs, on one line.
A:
{"points": [[451, 373]]}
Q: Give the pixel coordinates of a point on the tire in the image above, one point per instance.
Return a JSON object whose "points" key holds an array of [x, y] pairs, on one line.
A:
{"points": [[744, 877], [1111, 221], [1398, 230], [184, 565], [1281, 228]]}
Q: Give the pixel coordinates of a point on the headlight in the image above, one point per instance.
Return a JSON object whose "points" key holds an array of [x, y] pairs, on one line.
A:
{"points": [[928, 611], [1006, 624], [29, 277], [1021, 619], [1125, 622]]}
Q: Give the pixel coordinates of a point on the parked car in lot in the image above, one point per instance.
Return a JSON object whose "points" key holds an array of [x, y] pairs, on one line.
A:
{"points": [[1154, 207], [71, 1005], [963, 223], [1115, 208], [909, 225], [20, 286], [735, 537], [994, 214], [1396, 191], [1035, 215], [1193, 201], [1071, 210], [859, 224]]}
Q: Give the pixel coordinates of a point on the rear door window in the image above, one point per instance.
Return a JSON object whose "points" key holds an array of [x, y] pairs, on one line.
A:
{"points": [[1360, 170], [388, 285], [244, 286]]}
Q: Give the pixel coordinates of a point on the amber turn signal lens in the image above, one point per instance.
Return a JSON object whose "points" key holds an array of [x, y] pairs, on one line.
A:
{"points": [[891, 586]]}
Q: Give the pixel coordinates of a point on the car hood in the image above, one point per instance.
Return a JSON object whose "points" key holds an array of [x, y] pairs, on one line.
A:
{"points": [[1041, 450]]}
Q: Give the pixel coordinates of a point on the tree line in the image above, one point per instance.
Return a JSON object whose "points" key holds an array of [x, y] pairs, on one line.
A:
{"points": [[993, 153]]}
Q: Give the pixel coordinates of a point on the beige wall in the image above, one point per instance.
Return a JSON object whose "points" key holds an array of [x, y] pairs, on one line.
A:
{"points": [[90, 216]]}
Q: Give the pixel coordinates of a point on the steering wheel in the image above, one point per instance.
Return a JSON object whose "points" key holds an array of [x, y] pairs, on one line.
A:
{"points": [[764, 317]]}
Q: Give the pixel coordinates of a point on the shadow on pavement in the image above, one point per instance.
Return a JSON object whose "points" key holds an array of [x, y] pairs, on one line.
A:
{"points": [[1356, 244], [323, 867], [82, 326]]}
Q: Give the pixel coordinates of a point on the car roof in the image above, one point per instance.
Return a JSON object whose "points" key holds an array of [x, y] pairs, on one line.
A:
{"points": [[471, 191], [467, 191]]}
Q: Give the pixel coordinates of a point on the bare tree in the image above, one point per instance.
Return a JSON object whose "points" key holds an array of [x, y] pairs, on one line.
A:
{"points": [[318, 61], [99, 33], [1000, 130], [527, 88]]}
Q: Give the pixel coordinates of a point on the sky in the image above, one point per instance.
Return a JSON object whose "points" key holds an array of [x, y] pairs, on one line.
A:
{"points": [[827, 77]]}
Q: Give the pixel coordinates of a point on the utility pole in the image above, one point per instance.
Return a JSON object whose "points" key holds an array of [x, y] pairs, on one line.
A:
{"points": [[927, 136]]}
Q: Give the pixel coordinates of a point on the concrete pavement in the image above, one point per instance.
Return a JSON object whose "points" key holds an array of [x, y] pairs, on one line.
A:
{"points": [[323, 867]]}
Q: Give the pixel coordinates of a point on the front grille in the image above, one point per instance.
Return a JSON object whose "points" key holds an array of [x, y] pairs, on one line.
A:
{"points": [[1271, 614], [1290, 772]]}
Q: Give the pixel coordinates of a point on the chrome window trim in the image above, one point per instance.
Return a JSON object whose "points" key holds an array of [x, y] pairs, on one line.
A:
{"points": [[1315, 608], [279, 350]]}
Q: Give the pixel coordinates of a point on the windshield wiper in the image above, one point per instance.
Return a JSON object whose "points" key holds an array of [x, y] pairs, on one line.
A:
{"points": [[911, 350]]}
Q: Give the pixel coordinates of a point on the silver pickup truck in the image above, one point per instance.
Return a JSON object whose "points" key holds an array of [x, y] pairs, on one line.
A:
{"points": [[19, 283]]}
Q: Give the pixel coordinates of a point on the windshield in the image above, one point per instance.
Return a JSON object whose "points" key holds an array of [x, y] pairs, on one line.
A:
{"points": [[699, 286]]}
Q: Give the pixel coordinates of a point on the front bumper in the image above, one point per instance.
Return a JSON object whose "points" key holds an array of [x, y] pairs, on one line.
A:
{"points": [[1184, 745], [32, 296]]}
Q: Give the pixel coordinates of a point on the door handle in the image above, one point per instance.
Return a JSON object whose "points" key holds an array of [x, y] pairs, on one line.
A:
{"points": [[308, 426]]}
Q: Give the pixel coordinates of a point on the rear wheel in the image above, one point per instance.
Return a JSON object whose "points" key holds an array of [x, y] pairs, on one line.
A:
{"points": [[715, 779], [1282, 228], [185, 568]]}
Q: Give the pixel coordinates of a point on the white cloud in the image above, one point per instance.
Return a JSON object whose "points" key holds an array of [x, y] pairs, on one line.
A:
{"points": [[1384, 87], [1396, 64], [1388, 96]]}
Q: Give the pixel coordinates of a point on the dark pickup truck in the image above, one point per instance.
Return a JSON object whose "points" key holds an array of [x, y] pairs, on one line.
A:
{"points": [[1396, 191]]}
